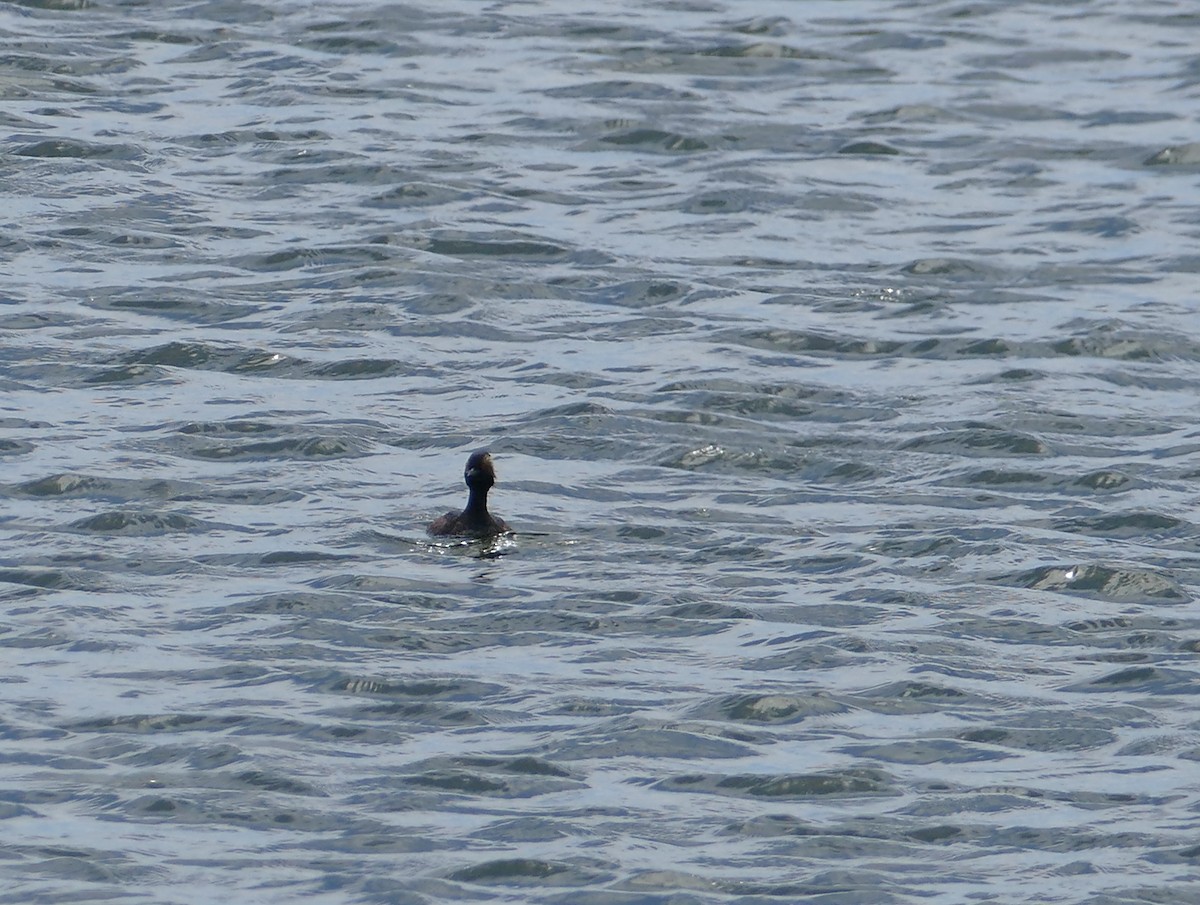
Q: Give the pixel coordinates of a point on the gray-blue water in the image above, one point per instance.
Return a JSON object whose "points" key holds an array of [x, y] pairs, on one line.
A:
{"points": [[840, 362]]}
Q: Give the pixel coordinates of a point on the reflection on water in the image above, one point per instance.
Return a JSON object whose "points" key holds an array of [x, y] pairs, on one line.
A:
{"points": [[838, 361]]}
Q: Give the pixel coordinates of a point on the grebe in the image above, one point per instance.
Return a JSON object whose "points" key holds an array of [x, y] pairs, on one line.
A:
{"points": [[475, 520]]}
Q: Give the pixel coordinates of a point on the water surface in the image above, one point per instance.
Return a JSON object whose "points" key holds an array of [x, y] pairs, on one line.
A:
{"points": [[839, 361]]}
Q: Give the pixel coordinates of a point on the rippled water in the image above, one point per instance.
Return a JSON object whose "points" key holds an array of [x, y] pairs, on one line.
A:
{"points": [[840, 363]]}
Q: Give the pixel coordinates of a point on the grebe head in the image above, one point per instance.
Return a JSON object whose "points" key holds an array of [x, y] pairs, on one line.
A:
{"points": [[480, 473]]}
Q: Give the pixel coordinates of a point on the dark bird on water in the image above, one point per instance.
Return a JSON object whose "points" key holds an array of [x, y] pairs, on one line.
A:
{"points": [[475, 520]]}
